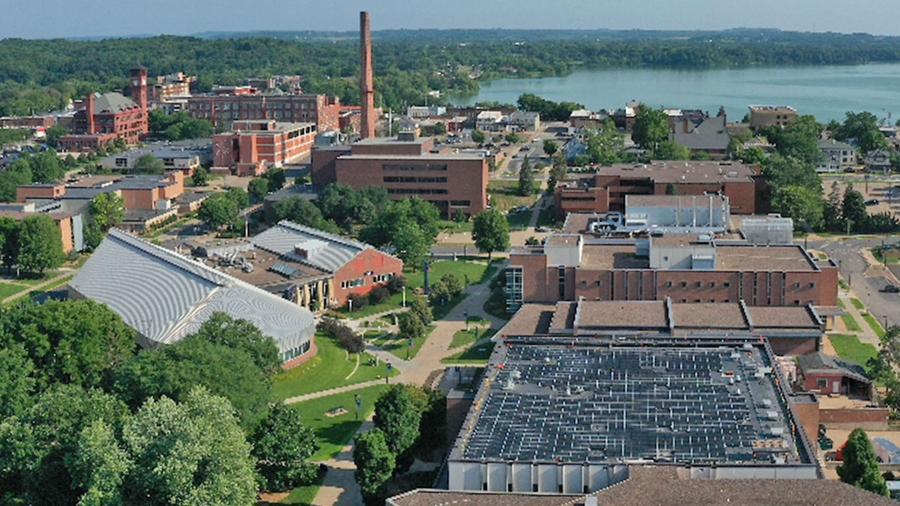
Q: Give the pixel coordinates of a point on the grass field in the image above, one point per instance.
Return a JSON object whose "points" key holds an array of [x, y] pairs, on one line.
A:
{"points": [[467, 337], [851, 349], [453, 226], [851, 323], [302, 496], [330, 368], [873, 324], [857, 304], [336, 432], [9, 289], [505, 195], [476, 355]]}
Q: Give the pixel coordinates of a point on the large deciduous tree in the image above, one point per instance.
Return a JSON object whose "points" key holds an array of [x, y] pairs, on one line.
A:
{"points": [[491, 232], [218, 211], [374, 461], [189, 453], [242, 335], [398, 416], [282, 447], [651, 127], [40, 244]]}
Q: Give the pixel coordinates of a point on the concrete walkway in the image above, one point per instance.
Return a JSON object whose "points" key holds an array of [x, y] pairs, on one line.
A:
{"points": [[339, 485]]}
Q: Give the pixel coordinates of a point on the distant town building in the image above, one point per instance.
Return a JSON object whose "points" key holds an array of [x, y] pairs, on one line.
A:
{"points": [[762, 116], [425, 111], [490, 121], [171, 87], [233, 105], [256, 145], [836, 156], [583, 118], [524, 121], [104, 118], [69, 217], [164, 296], [605, 191], [185, 157], [879, 161], [710, 135], [406, 168]]}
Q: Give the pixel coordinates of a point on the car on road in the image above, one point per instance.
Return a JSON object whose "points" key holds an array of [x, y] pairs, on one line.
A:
{"points": [[890, 289]]}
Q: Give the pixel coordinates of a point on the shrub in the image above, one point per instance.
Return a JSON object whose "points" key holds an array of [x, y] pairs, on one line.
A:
{"points": [[379, 295], [344, 335], [453, 284], [397, 283], [358, 301]]}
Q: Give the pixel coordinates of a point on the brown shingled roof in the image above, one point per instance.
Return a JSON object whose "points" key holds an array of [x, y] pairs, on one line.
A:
{"points": [[707, 315], [782, 317]]}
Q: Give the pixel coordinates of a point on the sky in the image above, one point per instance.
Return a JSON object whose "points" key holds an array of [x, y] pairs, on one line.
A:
{"points": [[36, 19]]}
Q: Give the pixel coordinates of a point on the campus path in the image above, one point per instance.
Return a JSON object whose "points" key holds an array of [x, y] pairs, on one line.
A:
{"points": [[63, 273], [339, 486]]}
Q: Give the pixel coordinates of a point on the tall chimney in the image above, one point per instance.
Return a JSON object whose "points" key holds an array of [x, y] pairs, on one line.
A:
{"points": [[89, 114], [366, 77]]}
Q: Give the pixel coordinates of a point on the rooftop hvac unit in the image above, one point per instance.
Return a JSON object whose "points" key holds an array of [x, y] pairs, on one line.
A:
{"points": [[770, 415], [776, 431]]}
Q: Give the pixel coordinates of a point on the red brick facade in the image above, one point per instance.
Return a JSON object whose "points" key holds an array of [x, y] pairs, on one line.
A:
{"points": [[369, 270], [222, 110], [256, 145]]}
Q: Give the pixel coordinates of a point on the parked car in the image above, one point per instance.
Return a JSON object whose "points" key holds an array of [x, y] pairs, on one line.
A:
{"points": [[872, 202], [890, 289]]}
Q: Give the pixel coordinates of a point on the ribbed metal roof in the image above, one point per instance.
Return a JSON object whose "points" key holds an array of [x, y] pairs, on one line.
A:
{"points": [[165, 296], [325, 251]]}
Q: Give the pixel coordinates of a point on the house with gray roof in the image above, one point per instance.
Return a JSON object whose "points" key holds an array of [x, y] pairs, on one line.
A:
{"points": [[709, 135], [165, 296], [836, 156]]}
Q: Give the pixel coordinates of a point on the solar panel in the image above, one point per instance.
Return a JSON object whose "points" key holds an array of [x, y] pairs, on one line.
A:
{"points": [[285, 270]]}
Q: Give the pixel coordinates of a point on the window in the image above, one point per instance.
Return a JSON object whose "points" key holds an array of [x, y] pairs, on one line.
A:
{"points": [[822, 383], [699, 284], [812, 285], [796, 285], [796, 302], [668, 284], [727, 284], [561, 280], [712, 284], [460, 203], [684, 284]]}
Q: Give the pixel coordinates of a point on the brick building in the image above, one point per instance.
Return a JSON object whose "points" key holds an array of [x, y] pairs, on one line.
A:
{"points": [[148, 199], [762, 116], [606, 190], [170, 86], [68, 218], [255, 145], [223, 109], [683, 268], [405, 167], [104, 118], [312, 268]]}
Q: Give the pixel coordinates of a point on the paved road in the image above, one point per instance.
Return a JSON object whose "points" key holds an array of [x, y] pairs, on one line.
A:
{"points": [[865, 280]]}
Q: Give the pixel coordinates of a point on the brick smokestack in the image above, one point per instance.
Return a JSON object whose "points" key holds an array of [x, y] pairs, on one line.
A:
{"points": [[366, 78], [89, 114]]}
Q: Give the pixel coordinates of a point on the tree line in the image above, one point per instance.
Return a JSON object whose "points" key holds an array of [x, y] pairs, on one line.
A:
{"points": [[42, 75]]}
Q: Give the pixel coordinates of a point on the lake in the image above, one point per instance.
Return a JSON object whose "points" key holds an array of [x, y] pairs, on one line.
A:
{"points": [[826, 91]]}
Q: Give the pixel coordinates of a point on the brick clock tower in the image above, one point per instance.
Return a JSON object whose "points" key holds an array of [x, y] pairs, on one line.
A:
{"points": [[138, 88], [366, 78]]}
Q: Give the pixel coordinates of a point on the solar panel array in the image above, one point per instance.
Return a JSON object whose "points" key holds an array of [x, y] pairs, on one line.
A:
{"points": [[577, 404]]}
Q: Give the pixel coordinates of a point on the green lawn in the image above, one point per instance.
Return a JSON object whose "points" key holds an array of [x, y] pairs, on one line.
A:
{"points": [[841, 304], [9, 289], [505, 195], [844, 286], [302, 496], [476, 355], [857, 304], [874, 324], [851, 349], [336, 432], [851, 323], [467, 337], [453, 226], [330, 368]]}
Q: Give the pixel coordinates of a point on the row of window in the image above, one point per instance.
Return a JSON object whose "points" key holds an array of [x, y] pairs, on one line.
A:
{"points": [[295, 352], [416, 191], [410, 179], [380, 278], [407, 167]]}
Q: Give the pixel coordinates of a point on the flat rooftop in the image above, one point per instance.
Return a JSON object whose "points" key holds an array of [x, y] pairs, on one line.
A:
{"points": [[612, 256], [552, 401], [426, 156], [683, 172], [762, 258], [377, 141], [675, 201], [585, 317]]}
